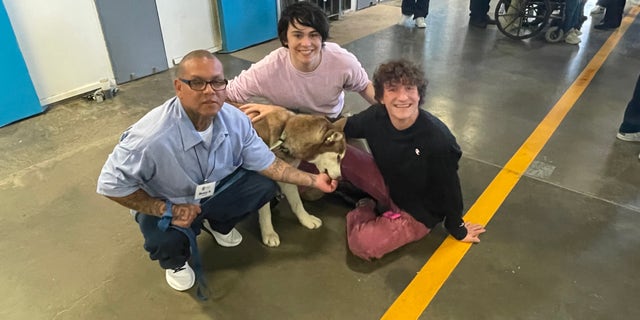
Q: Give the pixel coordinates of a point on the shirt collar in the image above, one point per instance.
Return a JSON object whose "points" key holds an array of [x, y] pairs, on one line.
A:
{"points": [[189, 134]]}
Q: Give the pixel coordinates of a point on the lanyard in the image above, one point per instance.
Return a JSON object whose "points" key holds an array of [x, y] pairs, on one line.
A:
{"points": [[205, 176]]}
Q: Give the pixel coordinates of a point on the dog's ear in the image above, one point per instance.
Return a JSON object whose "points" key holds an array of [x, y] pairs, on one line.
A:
{"points": [[340, 123], [334, 137]]}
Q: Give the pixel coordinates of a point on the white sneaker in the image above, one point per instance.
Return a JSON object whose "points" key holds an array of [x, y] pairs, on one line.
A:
{"points": [[420, 22], [406, 21], [231, 239], [576, 31], [181, 278], [572, 38], [633, 136], [598, 10]]}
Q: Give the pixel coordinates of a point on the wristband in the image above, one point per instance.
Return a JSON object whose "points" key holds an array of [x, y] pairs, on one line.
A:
{"points": [[165, 220], [167, 209]]}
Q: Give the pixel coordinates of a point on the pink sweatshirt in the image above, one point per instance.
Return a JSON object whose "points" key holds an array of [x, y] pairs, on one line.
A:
{"points": [[318, 92]]}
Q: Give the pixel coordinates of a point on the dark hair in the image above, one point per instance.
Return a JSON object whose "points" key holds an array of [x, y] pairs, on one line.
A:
{"points": [[195, 54], [399, 72], [306, 14]]}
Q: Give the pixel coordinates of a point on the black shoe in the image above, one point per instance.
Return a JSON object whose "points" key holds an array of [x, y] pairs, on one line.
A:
{"points": [[478, 23], [490, 21], [604, 26]]}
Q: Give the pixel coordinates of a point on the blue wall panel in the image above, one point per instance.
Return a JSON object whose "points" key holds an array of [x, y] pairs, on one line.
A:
{"points": [[244, 23], [18, 98]]}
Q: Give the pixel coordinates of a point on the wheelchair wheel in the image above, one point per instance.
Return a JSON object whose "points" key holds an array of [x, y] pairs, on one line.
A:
{"points": [[522, 19], [554, 34]]}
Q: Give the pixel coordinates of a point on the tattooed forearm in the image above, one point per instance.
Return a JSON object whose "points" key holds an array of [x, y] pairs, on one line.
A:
{"points": [[141, 202], [283, 172]]}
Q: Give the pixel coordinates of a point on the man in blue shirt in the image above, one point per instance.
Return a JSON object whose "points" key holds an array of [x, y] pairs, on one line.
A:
{"points": [[194, 161]]}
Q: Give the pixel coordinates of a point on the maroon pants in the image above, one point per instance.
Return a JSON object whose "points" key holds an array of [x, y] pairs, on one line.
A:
{"points": [[370, 236]]}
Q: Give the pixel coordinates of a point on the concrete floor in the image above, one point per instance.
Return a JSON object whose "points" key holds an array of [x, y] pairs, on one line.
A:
{"points": [[563, 245]]}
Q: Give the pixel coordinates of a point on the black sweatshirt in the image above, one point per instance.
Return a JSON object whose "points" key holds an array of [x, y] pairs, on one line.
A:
{"points": [[419, 165]]}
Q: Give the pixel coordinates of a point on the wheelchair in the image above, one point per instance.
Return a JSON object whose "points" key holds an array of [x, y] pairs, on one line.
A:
{"points": [[523, 19]]}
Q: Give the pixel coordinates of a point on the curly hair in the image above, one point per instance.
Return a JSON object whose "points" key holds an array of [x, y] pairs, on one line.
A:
{"points": [[399, 72], [306, 14]]}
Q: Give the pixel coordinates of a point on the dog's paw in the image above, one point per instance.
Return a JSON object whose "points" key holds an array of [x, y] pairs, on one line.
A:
{"points": [[271, 239], [311, 222]]}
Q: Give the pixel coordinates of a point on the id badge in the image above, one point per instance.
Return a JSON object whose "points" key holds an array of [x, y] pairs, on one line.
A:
{"points": [[205, 190]]}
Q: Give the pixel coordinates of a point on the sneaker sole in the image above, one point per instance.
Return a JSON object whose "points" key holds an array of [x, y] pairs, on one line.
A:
{"points": [[626, 138]]}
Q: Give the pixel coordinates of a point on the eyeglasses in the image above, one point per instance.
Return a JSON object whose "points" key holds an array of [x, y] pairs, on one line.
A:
{"points": [[200, 85]]}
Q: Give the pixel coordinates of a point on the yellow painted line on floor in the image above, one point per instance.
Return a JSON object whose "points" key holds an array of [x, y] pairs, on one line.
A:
{"points": [[419, 293]]}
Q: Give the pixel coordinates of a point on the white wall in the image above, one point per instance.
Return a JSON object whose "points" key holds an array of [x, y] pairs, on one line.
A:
{"points": [[62, 45], [188, 25], [65, 51]]}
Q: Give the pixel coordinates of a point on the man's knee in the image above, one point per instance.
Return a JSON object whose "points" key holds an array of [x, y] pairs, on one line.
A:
{"points": [[170, 248], [264, 189], [267, 186]]}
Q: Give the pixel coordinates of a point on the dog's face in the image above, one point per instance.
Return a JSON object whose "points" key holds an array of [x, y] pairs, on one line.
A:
{"points": [[316, 140]]}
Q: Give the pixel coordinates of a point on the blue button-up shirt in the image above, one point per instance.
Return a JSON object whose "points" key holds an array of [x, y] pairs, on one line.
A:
{"points": [[165, 156]]}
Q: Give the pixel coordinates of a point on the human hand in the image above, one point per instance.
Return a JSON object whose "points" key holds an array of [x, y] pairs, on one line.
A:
{"points": [[257, 111], [324, 183], [473, 231], [184, 214]]}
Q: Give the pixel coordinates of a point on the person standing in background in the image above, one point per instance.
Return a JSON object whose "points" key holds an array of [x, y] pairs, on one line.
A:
{"points": [[573, 21], [414, 12], [630, 128], [612, 15], [479, 14]]}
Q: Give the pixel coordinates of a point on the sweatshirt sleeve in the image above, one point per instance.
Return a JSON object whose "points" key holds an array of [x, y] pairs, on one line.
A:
{"points": [[451, 204]]}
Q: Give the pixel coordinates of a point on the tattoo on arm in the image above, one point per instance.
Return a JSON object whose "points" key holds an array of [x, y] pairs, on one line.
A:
{"points": [[141, 202], [283, 172]]}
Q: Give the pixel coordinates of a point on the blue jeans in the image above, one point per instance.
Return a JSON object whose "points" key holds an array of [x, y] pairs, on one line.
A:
{"points": [[171, 247], [572, 14], [631, 120], [417, 8], [479, 9]]}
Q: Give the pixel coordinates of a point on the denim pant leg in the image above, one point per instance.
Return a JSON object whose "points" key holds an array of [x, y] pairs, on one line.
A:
{"points": [[238, 200], [419, 8], [631, 120], [572, 14], [478, 9], [170, 248], [407, 7], [614, 13]]}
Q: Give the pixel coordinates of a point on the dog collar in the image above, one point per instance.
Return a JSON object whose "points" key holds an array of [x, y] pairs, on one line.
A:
{"points": [[279, 142]]}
